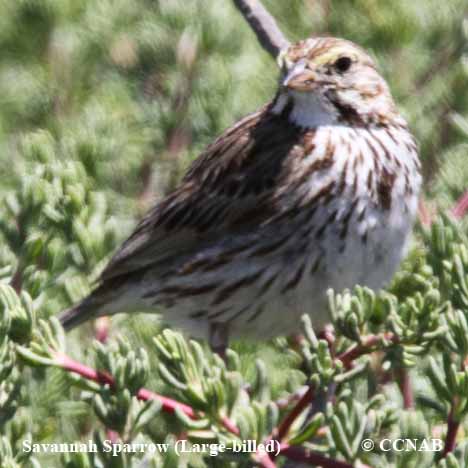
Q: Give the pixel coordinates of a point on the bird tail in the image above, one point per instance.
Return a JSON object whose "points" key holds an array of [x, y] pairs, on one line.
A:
{"points": [[85, 310]]}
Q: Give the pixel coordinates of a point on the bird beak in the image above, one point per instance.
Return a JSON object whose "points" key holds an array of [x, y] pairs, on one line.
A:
{"points": [[299, 78]]}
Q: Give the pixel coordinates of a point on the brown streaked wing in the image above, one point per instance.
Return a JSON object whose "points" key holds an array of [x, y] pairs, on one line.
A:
{"points": [[225, 190]]}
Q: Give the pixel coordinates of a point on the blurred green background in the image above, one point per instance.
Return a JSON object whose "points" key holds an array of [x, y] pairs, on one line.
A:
{"points": [[104, 104]]}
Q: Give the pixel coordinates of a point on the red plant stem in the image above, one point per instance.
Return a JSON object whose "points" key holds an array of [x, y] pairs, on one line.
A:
{"points": [[101, 333], [452, 429], [168, 404], [328, 334], [302, 455], [461, 207], [101, 329], [284, 427], [367, 346], [280, 433], [404, 382], [425, 213], [113, 436], [230, 426], [16, 281], [265, 461], [453, 424], [283, 403], [68, 364]]}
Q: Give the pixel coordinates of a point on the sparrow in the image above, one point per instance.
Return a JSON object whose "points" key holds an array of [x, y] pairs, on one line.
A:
{"points": [[317, 189]]}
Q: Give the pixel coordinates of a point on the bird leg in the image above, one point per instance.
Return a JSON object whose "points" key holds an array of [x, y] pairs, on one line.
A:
{"points": [[219, 338]]}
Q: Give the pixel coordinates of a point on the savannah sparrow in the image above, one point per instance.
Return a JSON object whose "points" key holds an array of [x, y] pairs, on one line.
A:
{"points": [[317, 189]]}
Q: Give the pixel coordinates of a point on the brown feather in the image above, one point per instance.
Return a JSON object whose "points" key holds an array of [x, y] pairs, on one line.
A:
{"points": [[226, 188]]}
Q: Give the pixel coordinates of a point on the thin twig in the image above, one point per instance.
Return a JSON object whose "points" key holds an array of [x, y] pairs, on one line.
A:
{"points": [[461, 207], [367, 346], [426, 213], [301, 405], [168, 404], [283, 403], [404, 382], [452, 429], [282, 430], [453, 424], [265, 461], [101, 329], [16, 281], [263, 25]]}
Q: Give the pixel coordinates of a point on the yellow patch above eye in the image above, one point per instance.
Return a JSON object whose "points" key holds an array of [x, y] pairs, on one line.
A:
{"points": [[333, 55]]}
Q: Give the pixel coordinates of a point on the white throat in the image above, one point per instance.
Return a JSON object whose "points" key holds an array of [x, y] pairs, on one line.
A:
{"points": [[308, 111]]}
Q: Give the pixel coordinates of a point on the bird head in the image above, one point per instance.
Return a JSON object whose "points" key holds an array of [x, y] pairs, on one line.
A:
{"points": [[336, 80]]}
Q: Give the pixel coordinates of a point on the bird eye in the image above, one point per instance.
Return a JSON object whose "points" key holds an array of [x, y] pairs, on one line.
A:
{"points": [[343, 64]]}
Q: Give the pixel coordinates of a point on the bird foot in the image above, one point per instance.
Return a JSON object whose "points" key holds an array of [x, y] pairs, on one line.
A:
{"points": [[219, 338]]}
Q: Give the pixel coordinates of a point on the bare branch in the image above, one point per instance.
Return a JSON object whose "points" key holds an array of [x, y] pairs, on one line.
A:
{"points": [[452, 429], [296, 411], [404, 382], [368, 345], [168, 404], [264, 26], [461, 207]]}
